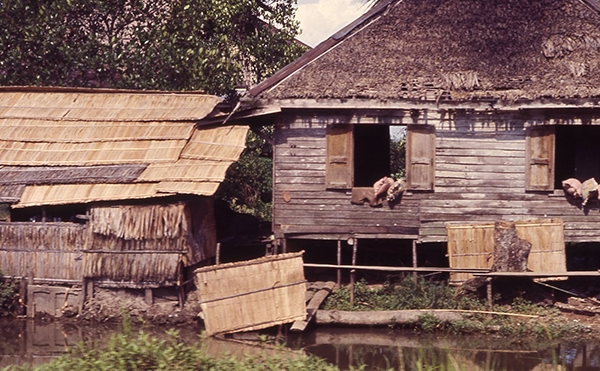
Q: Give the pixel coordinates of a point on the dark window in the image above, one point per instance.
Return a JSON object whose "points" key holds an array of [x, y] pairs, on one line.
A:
{"points": [[577, 153], [371, 154]]}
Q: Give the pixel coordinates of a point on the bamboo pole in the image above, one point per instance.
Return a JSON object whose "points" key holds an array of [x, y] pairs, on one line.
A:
{"points": [[384, 268], [353, 271], [339, 262]]}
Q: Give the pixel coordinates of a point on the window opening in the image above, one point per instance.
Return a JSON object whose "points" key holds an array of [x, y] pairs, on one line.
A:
{"points": [[379, 150], [577, 153]]}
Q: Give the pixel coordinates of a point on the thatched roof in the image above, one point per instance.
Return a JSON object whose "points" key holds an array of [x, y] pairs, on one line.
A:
{"points": [[453, 50], [62, 146]]}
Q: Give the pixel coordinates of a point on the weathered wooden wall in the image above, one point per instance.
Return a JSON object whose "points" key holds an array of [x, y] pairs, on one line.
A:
{"points": [[299, 176], [480, 175]]}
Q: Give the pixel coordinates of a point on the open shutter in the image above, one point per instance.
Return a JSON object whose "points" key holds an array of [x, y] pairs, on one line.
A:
{"points": [[540, 158], [420, 157], [340, 158]]}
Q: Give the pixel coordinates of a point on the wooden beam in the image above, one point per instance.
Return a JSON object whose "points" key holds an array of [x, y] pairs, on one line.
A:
{"points": [[540, 274], [382, 268]]}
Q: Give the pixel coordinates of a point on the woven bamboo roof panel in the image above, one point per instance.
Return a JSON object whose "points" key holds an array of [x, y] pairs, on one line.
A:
{"points": [[192, 188], [220, 143], [186, 170], [254, 294], [99, 153], [62, 194], [32, 175], [86, 146], [112, 106], [457, 50], [37, 130], [11, 192]]}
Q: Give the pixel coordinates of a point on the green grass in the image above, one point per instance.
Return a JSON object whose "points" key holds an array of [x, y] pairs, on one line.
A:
{"points": [[425, 294]]}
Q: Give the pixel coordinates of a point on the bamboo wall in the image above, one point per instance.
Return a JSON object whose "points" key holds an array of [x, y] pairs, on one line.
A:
{"points": [[122, 246], [472, 246], [48, 250], [252, 295]]}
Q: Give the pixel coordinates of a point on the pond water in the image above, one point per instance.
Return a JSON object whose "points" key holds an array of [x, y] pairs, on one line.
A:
{"points": [[28, 342]]}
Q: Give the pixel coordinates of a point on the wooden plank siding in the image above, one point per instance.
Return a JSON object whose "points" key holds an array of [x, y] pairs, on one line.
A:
{"points": [[300, 172], [481, 176], [481, 161]]}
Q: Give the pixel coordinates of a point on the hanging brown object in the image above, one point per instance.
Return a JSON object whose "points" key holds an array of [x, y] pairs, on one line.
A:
{"points": [[510, 252]]}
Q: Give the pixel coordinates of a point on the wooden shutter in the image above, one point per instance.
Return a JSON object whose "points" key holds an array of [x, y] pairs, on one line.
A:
{"points": [[420, 157], [340, 157], [540, 158]]}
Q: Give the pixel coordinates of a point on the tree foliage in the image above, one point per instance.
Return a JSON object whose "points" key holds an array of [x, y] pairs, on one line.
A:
{"points": [[247, 188], [210, 45]]}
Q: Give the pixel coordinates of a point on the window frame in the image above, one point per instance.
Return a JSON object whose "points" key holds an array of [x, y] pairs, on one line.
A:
{"points": [[420, 157]]}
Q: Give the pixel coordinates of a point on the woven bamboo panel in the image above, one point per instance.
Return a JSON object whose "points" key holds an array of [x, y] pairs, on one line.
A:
{"points": [[472, 246], [39, 130], [186, 170], [137, 222], [106, 106], [92, 153], [194, 188], [61, 194], [48, 250], [132, 267], [252, 295], [35, 175], [219, 143]]}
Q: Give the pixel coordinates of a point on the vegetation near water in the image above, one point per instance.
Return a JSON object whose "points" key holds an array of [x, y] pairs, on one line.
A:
{"points": [[408, 293], [7, 295], [143, 352]]}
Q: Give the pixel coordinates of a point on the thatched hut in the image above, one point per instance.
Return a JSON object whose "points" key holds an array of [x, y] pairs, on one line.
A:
{"points": [[111, 187], [499, 101]]}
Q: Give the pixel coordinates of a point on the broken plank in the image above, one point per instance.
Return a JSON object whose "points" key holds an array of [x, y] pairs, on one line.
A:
{"points": [[313, 306]]}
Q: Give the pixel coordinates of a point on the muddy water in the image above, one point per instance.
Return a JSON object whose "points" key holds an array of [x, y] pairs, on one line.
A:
{"points": [[29, 342]]}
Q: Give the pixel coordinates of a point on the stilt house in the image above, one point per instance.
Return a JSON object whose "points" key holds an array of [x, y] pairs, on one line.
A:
{"points": [[499, 102], [113, 187]]}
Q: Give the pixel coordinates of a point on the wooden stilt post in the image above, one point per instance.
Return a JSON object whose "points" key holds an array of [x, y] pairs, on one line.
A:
{"points": [[339, 262], [284, 247], [218, 254], [353, 271], [149, 297], [489, 293], [414, 258]]}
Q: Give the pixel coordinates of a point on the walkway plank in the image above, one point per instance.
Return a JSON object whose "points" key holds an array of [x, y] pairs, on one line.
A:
{"points": [[313, 306]]}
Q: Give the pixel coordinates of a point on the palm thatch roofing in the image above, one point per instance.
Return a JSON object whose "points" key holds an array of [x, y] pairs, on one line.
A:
{"points": [[60, 146], [457, 50]]}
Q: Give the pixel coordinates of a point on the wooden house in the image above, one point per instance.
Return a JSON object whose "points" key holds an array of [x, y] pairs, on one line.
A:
{"points": [[499, 100], [110, 187]]}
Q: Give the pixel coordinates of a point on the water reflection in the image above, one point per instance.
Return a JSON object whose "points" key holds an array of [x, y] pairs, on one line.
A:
{"points": [[29, 342]]}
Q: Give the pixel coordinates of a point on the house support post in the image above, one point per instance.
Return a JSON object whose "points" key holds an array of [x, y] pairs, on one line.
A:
{"points": [[218, 254], [353, 271], [149, 297], [284, 247], [414, 258], [490, 299], [339, 262]]}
